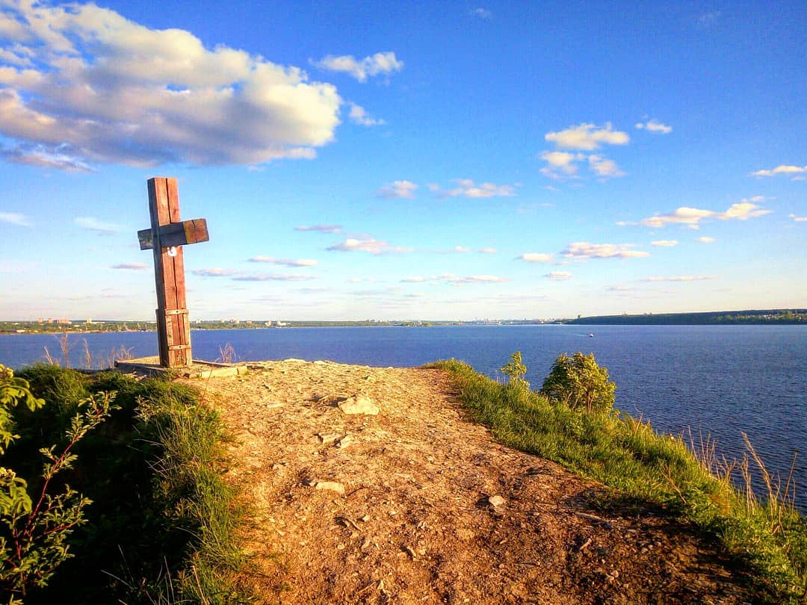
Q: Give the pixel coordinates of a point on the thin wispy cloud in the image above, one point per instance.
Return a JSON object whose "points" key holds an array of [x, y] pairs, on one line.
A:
{"points": [[559, 276], [797, 172], [654, 126], [586, 250], [562, 164], [691, 217], [15, 218], [85, 85], [90, 223], [450, 278], [398, 190], [358, 115], [272, 277], [130, 266], [797, 219], [372, 246], [664, 243], [469, 188], [216, 272], [705, 240], [480, 12], [288, 262], [320, 228], [681, 278], [383, 63]]}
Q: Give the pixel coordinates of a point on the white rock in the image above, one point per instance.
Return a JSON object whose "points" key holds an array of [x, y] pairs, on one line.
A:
{"points": [[496, 501], [359, 404]]}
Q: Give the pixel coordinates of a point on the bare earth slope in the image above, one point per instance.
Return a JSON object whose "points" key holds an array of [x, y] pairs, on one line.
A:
{"points": [[418, 505]]}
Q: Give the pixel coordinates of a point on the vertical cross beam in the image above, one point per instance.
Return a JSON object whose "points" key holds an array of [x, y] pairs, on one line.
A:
{"points": [[173, 325]]}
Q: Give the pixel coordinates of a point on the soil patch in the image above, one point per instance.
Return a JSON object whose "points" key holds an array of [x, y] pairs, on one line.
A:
{"points": [[416, 504]]}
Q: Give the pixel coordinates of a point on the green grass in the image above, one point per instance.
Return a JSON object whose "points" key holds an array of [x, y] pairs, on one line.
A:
{"points": [[768, 537], [161, 528]]}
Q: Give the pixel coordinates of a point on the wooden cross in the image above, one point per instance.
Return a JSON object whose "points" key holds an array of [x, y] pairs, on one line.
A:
{"points": [[165, 238]]}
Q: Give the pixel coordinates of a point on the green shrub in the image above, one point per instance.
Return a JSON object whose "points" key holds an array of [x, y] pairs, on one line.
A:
{"points": [[578, 382]]}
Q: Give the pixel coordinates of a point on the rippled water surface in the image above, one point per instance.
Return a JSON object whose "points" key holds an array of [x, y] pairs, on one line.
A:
{"points": [[716, 380]]}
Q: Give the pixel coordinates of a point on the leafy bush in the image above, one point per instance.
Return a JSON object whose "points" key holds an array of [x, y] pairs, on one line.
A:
{"points": [[516, 370], [578, 382], [34, 531]]}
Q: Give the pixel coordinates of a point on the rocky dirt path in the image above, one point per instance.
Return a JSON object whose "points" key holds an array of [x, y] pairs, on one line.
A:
{"points": [[415, 504]]}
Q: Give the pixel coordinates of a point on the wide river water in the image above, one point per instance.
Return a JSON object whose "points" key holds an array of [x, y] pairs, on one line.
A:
{"points": [[719, 381]]}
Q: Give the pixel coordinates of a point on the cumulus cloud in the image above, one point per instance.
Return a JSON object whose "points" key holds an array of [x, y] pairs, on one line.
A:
{"points": [[798, 219], [559, 275], [301, 262], [373, 246], [587, 137], [384, 63], [584, 137], [129, 266], [469, 188], [585, 250], [705, 240], [320, 228], [796, 171], [450, 278], [537, 257], [15, 218], [654, 126], [664, 243], [692, 216], [398, 189], [90, 223], [80, 84], [358, 115], [681, 278]]}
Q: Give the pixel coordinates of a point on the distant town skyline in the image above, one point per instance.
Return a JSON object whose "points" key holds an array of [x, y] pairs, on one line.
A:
{"points": [[437, 161]]}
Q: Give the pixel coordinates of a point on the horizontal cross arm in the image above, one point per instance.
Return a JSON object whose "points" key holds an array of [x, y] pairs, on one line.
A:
{"points": [[176, 234]]}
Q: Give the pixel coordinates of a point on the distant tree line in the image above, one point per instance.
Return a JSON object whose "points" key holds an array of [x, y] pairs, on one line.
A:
{"points": [[770, 316]]}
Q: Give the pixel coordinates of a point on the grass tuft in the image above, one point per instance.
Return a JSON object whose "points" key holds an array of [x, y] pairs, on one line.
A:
{"points": [[768, 535]]}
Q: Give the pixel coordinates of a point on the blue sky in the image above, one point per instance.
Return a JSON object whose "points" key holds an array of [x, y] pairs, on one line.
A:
{"points": [[409, 160]]}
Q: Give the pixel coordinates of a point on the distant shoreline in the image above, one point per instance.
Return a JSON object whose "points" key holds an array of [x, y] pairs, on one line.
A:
{"points": [[748, 317]]}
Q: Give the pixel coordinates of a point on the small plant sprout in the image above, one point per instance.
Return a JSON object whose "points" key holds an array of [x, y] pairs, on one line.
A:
{"points": [[515, 371]]}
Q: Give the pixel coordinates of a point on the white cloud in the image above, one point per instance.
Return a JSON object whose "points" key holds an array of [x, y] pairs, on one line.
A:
{"points": [[587, 137], [302, 262], [15, 218], [130, 266], [468, 188], [461, 249], [482, 13], [380, 63], [373, 246], [681, 278], [89, 86], [796, 171], [537, 257], [559, 276], [398, 190], [320, 228], [798, 219], [586, 250], [705, 240], [664, 243], [654, 126], [487, 251], [603, 166], [584, 137], [90, 223], [692, 216], [358, 115]]}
